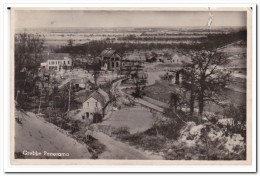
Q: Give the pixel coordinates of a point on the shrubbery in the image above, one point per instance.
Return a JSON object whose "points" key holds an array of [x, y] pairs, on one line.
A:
{"points": [[207, 142]]}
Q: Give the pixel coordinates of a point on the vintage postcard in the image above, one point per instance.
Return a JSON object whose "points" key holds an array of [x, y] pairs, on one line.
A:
{"points": [[168, 86]]}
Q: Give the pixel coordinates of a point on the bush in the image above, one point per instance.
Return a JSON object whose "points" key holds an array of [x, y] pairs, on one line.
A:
{"points": [[169, 130], [207, 142], [97, 118], [152, 143]]}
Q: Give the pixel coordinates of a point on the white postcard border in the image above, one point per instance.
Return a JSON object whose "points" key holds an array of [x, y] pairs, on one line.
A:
{"points": [[115, 168]]}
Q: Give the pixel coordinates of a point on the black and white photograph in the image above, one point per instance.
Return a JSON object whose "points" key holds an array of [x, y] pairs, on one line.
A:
{"points": [[147, 84]]}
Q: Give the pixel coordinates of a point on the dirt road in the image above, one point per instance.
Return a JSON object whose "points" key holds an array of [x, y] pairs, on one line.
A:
{"points": [[119, 150]]}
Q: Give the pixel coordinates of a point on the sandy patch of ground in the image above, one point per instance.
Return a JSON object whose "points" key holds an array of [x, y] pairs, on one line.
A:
{"points": [[34, 134]]}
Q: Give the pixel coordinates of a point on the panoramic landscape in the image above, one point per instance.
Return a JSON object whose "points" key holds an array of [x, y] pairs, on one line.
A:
{"points": [[130, 85]]}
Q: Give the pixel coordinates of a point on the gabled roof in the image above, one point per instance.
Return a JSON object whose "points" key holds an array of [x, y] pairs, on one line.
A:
{"points": [[99, 95], [80, 80], [104, 94], [175, 55], [107, 53], [186, 59], [82, 96]]}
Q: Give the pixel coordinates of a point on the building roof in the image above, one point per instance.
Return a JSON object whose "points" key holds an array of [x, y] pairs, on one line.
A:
{"points": [[104, 94], [82, 95], [175, 55], [80, 80], [55, 56], [186, 59], [99, 95], [107, 53]]}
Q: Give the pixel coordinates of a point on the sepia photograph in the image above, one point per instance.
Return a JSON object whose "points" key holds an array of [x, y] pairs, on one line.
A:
{"points": [[130, 84]]}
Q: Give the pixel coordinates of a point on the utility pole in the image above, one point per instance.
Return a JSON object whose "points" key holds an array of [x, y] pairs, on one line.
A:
{"points": [[69, 95], [70, 86], [39, 109]]}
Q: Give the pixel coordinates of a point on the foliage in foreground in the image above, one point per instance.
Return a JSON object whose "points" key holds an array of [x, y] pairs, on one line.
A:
{"points": [[190, 141], [207, 142]]}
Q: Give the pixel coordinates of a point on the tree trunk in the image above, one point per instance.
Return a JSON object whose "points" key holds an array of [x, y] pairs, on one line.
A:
{"points": [[192, 95], [192, 100], [201, 106], [69, 96]]}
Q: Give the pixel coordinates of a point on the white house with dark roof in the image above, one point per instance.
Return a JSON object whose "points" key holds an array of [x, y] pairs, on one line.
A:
{"points": [[96, 102], [56, 61], [176, 59]]}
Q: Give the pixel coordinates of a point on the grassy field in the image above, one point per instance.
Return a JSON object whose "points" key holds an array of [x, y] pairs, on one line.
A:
{"points": [[137, 119], [161, 91]]}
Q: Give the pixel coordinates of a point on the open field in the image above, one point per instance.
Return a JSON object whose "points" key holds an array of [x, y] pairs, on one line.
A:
{"points": [[161, 91], [137, 119], [60, 36]]}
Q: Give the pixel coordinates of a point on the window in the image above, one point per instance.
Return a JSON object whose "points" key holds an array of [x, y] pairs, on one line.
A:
{"points": [[117, 64], [83, 117], [68, 62], [64, 62], [88, 104], [87, 114], [113, 64], [96, 104]]}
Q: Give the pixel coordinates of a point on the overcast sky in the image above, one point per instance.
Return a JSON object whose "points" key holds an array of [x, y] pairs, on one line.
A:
{"points": [[41, 18]]}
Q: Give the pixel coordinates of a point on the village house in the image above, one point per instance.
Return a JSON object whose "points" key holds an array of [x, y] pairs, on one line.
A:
{"points": [[80, 83], [95, 103], [176, 59], [56, 61], [110, 60]]}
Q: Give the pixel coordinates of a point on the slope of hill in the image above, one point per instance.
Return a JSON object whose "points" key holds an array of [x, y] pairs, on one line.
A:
{"points": [[34, 135]]}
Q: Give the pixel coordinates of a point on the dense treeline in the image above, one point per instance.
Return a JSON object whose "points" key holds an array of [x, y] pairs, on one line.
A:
{"points": [[162, 38], [210, 42]]}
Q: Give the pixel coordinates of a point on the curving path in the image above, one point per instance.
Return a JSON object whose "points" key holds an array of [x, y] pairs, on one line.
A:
{"points": [[119, 150]]}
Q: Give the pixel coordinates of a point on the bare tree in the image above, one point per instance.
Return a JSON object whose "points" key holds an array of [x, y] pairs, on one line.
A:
{"points": [[96, 72], [208, 77], [28, 51], [140, 80], [28, 56]]}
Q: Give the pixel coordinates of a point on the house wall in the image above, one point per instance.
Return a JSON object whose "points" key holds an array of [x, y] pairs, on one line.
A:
{"points": [[55, 64], [91, 106], [114, 62], [176, 59]]}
